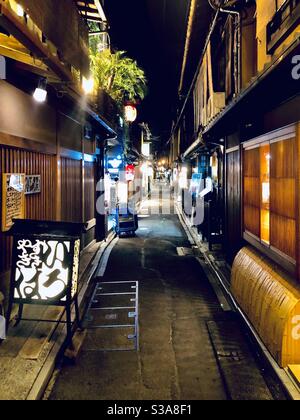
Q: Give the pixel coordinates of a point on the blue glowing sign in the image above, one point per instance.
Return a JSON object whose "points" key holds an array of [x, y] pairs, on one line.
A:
{"points": [[115, 163]]}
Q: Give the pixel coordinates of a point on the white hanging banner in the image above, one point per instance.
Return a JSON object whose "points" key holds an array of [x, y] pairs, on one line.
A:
{"points": [[2, 328]]}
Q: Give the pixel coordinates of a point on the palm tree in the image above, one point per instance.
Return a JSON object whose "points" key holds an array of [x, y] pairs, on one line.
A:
{"points": [[119, 76]]}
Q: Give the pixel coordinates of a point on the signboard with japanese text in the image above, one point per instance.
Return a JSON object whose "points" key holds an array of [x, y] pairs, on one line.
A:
{"points": [[13, 199]]}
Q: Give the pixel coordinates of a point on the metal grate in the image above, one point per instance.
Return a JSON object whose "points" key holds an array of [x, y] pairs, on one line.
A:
{"points": [[114, 310]]}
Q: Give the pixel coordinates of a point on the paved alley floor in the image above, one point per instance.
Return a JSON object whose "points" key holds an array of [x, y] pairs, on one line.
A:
{"points": [[176, 359]]}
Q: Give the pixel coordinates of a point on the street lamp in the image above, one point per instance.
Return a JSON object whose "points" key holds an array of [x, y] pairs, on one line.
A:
{"points": [[88, 85], [40, 93]]}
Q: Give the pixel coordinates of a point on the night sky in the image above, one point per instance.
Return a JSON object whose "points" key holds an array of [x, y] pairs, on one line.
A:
{"points": [[152, 32]]}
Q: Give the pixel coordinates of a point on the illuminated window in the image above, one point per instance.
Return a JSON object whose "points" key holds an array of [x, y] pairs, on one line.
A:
{"points": [[269, 192], [265, 158]]}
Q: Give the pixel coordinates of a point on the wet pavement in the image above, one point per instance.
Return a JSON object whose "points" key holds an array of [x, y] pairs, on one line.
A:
{"points": [[179, 314]]}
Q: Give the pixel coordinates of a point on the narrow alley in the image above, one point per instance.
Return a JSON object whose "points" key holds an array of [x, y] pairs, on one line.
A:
{"points": [[150, 202], [176, 359]]}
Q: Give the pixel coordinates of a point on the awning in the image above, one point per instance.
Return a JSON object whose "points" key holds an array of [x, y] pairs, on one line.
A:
{"points": [[193, 148], [200, 146]]}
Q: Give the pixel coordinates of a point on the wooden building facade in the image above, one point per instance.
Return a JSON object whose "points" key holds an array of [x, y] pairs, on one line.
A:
{"points": [[237, 98], [59, 143]]}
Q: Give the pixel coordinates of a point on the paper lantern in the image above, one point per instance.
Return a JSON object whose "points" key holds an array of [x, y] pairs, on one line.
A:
{"points": [[130, 113]]}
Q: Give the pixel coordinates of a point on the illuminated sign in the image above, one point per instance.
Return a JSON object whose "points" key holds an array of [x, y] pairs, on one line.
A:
{"points": [[45, 267], [43, 270], [115, 163]]}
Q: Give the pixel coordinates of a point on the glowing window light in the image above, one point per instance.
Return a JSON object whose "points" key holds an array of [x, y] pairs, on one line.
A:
{"points": [[88, 85], [266, 192]]}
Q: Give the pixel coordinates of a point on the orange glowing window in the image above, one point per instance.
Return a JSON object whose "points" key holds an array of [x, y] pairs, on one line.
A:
{"points": [[265, 157]]}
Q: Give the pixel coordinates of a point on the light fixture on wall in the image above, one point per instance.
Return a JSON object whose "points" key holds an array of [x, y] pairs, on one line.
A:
{"points": [[40, 93]]}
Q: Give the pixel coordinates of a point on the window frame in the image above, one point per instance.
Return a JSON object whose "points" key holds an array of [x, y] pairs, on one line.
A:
{"points": [[283, 134]]}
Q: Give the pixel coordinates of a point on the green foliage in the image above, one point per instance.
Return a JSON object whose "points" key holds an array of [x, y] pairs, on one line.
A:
{"points": [[119, 76]]}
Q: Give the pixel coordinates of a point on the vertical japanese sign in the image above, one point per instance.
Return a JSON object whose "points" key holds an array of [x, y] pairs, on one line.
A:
{"points": [[13, 199]]}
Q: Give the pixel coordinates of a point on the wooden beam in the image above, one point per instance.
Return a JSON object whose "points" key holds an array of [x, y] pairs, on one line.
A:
{"points": [[87, 9], [100, 10], [94, 19], [187, 41], [26, 144], [92, 10]]}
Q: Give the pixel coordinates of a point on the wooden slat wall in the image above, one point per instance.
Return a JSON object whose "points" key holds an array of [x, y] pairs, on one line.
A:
{"points": [[89, 191], [71, 190], [233, 204], [252, 191], [38, 206], [283, 202]]}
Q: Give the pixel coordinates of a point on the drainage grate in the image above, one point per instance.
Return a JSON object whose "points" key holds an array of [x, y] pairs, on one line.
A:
{"points": [[242, 376], [112, 318], [229, 355]]}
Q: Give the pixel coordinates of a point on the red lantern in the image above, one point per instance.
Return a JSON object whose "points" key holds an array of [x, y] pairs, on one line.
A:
{"points": [[130, 171], [130, 113]]}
